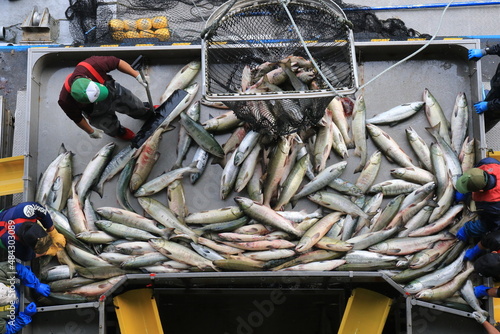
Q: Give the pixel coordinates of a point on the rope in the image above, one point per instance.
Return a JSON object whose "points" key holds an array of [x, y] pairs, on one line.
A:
{"points": [[283, 2], [414, 53]]}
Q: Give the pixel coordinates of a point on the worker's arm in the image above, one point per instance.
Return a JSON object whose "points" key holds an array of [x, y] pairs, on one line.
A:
{"points": [[125, 67], [85, 126], [493, 50], [490, 329], [481, 318]]}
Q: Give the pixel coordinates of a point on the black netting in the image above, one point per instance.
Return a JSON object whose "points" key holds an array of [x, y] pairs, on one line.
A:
{"points": [[253, 47], [280, 116], [89, 20], [94, 22]]}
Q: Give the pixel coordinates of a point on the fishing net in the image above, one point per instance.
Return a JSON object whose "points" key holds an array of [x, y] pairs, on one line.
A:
{"points": [[130, 22], [277, 65], [90, 21]]}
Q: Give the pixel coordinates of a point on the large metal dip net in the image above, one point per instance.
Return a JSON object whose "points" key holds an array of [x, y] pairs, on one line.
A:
{"points": [[278, 64]]}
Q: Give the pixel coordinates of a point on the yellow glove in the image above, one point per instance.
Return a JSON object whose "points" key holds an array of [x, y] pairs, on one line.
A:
{"points": [[57, 238], [52, 251]]}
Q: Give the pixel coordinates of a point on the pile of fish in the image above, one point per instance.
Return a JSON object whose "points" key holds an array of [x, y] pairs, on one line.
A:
{"points": [[404, 226], [284, 115]]}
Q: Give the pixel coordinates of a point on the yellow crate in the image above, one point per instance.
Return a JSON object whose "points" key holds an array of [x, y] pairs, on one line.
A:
{"points": [[366, 312], [11, 175], [137, 312]]}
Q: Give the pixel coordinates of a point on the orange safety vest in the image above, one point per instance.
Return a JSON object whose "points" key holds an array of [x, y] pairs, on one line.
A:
{"points": [[491, 195]]}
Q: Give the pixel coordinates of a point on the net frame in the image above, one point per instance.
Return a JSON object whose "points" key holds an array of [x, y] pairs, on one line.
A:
{"points": [[211, 44]]}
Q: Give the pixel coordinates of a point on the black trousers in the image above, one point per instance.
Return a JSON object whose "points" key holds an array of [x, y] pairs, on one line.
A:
{"points": [[119, 100]]}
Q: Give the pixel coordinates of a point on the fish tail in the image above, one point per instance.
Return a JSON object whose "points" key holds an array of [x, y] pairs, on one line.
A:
{"points": [[434, 130], [359, 168]]}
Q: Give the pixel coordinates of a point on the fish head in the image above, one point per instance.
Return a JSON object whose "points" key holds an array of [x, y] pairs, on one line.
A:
{"points": [[413, 288], [243, 202], [419, 260], [373, 130], [398, 172], [156, 242], [194, 65]]}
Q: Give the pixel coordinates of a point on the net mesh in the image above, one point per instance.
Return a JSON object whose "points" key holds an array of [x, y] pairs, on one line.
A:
{"points": [[90, 20], [254, 50], [97, 23]]}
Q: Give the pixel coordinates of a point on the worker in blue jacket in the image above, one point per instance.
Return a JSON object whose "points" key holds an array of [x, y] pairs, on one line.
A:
{"points": [[23, 237], [481, 184], [490, 106]]}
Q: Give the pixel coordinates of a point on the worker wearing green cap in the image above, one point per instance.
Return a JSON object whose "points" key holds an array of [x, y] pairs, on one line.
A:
{"points": [[481, 184], [91, 95]]}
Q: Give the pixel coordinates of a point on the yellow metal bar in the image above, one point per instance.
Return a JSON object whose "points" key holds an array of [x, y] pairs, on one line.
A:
{"points": [[11, 175], [366, 312], [137, 312], [496, 305]]}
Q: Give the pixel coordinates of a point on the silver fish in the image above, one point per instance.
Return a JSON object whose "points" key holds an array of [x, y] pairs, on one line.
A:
{"points": [[267, 215], [161, 182], [122, 188], [396, 114], [435, 115], [166, 217], [94, 169], [131, 219], [451, 158], [116, 164], [467, 155], [420, 148], [47, 179], [337, 202], [413, 174], [181, 79], [358, 125], [339, 118], [124, 231], [247, 168], [389, 146], [407, 245], [60, 190], [181, 253], [228, 178], [201, 136], [437, 277], [369, 172], [459, 122], [201, 158], [184, 140], [246, 146], [321, 180]]}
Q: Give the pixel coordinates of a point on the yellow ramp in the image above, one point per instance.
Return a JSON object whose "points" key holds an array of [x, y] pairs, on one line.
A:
{"points": [[366, 312], [137, 312], [11, 175], [496, 305]]}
